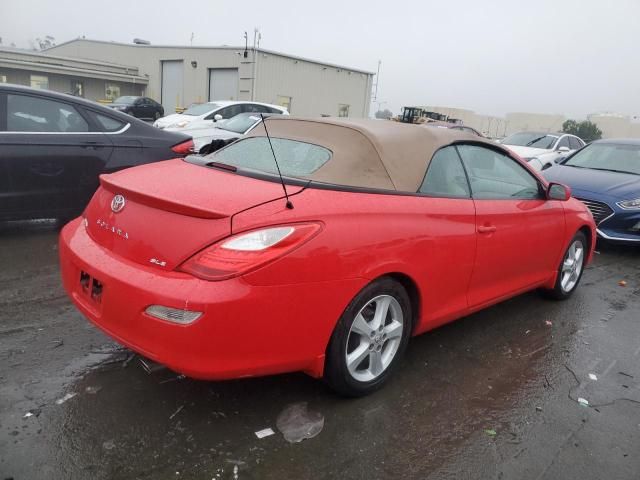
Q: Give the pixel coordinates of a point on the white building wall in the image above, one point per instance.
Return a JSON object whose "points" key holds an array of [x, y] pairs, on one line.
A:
{"points": [[315, 88], [539, 122], [613, 125]]}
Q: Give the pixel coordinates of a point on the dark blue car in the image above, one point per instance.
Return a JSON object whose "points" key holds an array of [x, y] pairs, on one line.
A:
{"points": [[605, 175]]}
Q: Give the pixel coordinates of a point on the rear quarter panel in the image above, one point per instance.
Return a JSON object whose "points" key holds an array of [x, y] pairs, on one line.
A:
{"points": [[364, 236]]}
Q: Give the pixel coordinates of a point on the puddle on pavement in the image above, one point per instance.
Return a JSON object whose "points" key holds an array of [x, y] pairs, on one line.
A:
{"points": [[296, 422]]}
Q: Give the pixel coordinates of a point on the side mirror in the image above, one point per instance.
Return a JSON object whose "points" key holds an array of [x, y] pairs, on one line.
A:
{"points": [[564, 149], [217, 117], [558, 191]]}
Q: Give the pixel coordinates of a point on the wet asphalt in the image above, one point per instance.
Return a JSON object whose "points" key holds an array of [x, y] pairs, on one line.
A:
{"points": [[491, 396]]}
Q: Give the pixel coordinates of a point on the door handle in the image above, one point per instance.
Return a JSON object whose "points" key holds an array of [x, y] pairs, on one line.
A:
{"points": [[486, 229]]}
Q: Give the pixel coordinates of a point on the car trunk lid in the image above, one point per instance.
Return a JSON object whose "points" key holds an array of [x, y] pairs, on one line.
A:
{"points": [[162, 213]]}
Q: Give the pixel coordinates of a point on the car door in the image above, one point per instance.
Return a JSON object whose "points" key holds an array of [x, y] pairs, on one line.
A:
{"points": [[148, 109], [139, 108], [450, 236], [52, 154], [519, 231], [562, 143], [575, 143], [127, 149], [231, 111]]}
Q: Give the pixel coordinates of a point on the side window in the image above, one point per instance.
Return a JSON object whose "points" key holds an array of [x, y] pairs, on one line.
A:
{"points": [[250, 108], [33, 114], [494, 175], [575, 143], [108, 124], [230, 111], [564, 142], [445, 176]]}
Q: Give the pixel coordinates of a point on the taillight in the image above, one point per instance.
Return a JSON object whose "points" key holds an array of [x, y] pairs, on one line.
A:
{"points": [[184, 148], [247, 251]]}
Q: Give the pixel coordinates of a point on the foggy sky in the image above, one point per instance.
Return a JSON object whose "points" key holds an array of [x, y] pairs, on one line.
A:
{"points": [[566, 56]]}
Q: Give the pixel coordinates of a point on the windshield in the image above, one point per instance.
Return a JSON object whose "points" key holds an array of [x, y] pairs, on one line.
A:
{"points": [[530, 139], [296, 159], [240, 123], [201, 109], [607, 156], [125, 100]]}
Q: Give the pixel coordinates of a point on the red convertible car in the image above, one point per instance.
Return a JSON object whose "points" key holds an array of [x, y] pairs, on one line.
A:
{"points": [[389, 231]]}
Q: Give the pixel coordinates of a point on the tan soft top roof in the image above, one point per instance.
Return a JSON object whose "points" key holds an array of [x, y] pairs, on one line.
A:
{"points": [[368, 153]]}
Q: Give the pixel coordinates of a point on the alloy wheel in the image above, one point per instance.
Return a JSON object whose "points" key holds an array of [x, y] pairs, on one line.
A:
{"points": [[572, 266], [374, 338]]}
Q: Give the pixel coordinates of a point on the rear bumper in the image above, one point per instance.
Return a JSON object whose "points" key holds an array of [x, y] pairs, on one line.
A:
{"points": [[245, 330]]}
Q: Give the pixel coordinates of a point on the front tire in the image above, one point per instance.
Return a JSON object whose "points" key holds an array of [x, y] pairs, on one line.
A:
{"points": [[570, 269], [369, 339]]}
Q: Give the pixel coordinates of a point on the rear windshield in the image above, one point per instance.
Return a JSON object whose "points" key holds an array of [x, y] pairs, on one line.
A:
{"points": [[296, 159]]}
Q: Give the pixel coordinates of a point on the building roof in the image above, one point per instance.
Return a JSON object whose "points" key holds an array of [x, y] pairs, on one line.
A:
{"points": [[21, 59], [220, 47], [368, 153]]}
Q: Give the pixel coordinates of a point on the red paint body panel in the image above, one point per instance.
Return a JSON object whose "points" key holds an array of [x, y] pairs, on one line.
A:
{"points": [[523, 249], [280, 317], [188, 189], [246, 330]]}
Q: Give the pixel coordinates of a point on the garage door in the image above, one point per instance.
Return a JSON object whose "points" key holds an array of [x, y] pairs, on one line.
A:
{"points": [[223, 84], [172, 89]]}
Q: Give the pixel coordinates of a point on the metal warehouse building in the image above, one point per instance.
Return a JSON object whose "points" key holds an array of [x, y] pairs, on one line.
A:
{"points": [[179, 76], [86, 78]]}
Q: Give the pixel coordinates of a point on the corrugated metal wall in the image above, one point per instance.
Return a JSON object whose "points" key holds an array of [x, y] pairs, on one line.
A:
{"points": [[315, 89], [94, 88]]}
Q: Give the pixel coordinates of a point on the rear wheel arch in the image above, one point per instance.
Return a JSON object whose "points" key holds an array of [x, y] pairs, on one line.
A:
{"points": [[411, 287], [344, 375]]}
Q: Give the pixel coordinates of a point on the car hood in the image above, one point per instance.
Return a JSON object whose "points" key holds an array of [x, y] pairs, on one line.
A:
{"points": [[118, 105], [527, 152], [203, 136], [621, 186], [169, 210], [174, 118]]}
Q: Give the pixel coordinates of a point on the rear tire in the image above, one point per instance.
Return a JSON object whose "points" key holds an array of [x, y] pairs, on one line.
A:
{"points": [[570, 269], [370, 339]]}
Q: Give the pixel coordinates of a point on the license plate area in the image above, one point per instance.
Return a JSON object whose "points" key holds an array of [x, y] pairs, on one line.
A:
{"points": [[91, 287]]}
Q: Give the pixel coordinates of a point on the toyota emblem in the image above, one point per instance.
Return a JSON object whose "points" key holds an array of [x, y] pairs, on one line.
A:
{"points": [[117, 204]]}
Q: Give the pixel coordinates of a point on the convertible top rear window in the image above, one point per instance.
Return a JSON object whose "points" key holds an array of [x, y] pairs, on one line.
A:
{"points": [[295, 158]]}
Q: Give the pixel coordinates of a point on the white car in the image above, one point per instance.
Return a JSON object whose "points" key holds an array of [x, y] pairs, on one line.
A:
{"points": [[235, 127], [542, 149], [204, 115]]}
